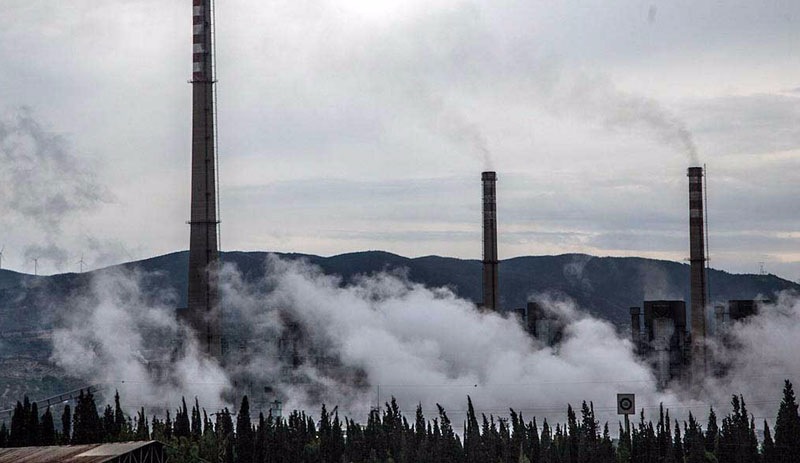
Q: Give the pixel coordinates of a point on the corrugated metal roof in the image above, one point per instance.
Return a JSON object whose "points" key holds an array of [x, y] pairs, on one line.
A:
{"points": [[91, 453]]}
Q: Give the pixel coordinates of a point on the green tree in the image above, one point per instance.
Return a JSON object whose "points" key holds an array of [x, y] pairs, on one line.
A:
{"points": [[47, 436], [768, 451], [787, 427], [3, 435], [86, 425], [244, 443], [66, 425]]}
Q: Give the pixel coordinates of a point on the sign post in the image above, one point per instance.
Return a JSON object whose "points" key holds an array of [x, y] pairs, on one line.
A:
{"points": [[626, 405]]}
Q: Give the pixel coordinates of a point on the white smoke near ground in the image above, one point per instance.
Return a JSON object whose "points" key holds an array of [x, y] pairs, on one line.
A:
{"points": [[758, 354], [120, 336], [308, 338], [360, 343]]}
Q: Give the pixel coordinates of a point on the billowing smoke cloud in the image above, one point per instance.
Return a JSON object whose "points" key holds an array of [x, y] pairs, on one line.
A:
{"points": [[759, 354], [353, 345], [124, 336], [43, 183], [308, 338]]}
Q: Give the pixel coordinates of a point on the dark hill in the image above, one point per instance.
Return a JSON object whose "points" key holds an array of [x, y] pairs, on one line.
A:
{"points": [[606, 286]]}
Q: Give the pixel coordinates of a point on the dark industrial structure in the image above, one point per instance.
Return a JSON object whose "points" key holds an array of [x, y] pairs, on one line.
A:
{"points": [[664, 340], [737, 310], [490, 262], [698, 283], [544, 326], [203, 299]]}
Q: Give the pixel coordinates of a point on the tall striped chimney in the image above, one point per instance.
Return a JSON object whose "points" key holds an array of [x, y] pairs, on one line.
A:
{"points": [[489, 240], [697, 260], [203, 300]]}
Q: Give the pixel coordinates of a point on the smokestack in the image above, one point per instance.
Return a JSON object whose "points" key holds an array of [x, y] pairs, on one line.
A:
{"points": [[489, 240], [697, 259], [203, 307]]}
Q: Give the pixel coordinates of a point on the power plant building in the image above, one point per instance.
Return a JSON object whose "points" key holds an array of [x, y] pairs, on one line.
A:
{"points": [[663, 341], [540, 324]]}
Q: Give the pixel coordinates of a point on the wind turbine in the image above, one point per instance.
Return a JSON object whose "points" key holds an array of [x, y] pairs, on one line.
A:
{"points": [[81, 263], [35, 266], [1, 255]]}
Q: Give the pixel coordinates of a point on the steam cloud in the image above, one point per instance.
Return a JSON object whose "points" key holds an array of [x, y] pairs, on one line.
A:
{"points": [[382, 336], [123, 336], [377, 337]]}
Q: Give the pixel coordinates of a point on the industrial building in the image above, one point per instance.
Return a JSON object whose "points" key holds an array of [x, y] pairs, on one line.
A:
{"points": [[544, 326], [664, 340]]}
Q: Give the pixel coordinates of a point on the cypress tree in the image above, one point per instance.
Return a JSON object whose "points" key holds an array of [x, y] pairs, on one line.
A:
{"points": [[121, 431], [677, 446], [17, 433], [32, 426], [182, 428], [108, 425], [48, 429], [197, 424], [768, 452], [86, 425], [142, 428], [244, 433], [787, 427], [3, 435], [712, 432], [693, 442], [66, 425]]}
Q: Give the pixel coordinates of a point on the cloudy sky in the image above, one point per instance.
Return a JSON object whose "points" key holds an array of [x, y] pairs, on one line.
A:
{"points": [[348, 125]]}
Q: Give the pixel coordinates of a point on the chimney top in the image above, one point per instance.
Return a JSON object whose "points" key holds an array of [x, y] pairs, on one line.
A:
{"points": [[695, 172]]}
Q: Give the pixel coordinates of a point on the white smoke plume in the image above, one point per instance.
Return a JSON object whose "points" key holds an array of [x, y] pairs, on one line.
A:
{"points": [[121, 336], [596, 98], [760, 353], [308, 338], [378, 337]]}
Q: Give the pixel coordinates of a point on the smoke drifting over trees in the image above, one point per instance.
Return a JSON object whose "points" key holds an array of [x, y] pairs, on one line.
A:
{"points": [[353, 345]]}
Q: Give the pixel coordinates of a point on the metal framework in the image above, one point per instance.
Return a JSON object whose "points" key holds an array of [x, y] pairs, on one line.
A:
{"points": [[59, 399]]}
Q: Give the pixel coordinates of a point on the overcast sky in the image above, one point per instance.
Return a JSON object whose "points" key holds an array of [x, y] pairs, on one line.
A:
{"points": [[348, 125]]}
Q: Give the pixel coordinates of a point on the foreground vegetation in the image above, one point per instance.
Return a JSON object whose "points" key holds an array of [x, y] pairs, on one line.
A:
{"points": [[388, 436]]}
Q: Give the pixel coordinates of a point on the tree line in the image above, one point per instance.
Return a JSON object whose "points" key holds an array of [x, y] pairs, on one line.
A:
{"points": [[388, 436]]}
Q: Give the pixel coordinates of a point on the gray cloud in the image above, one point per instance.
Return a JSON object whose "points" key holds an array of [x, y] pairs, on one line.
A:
{"points": [[42, 181], [577, 103]]}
